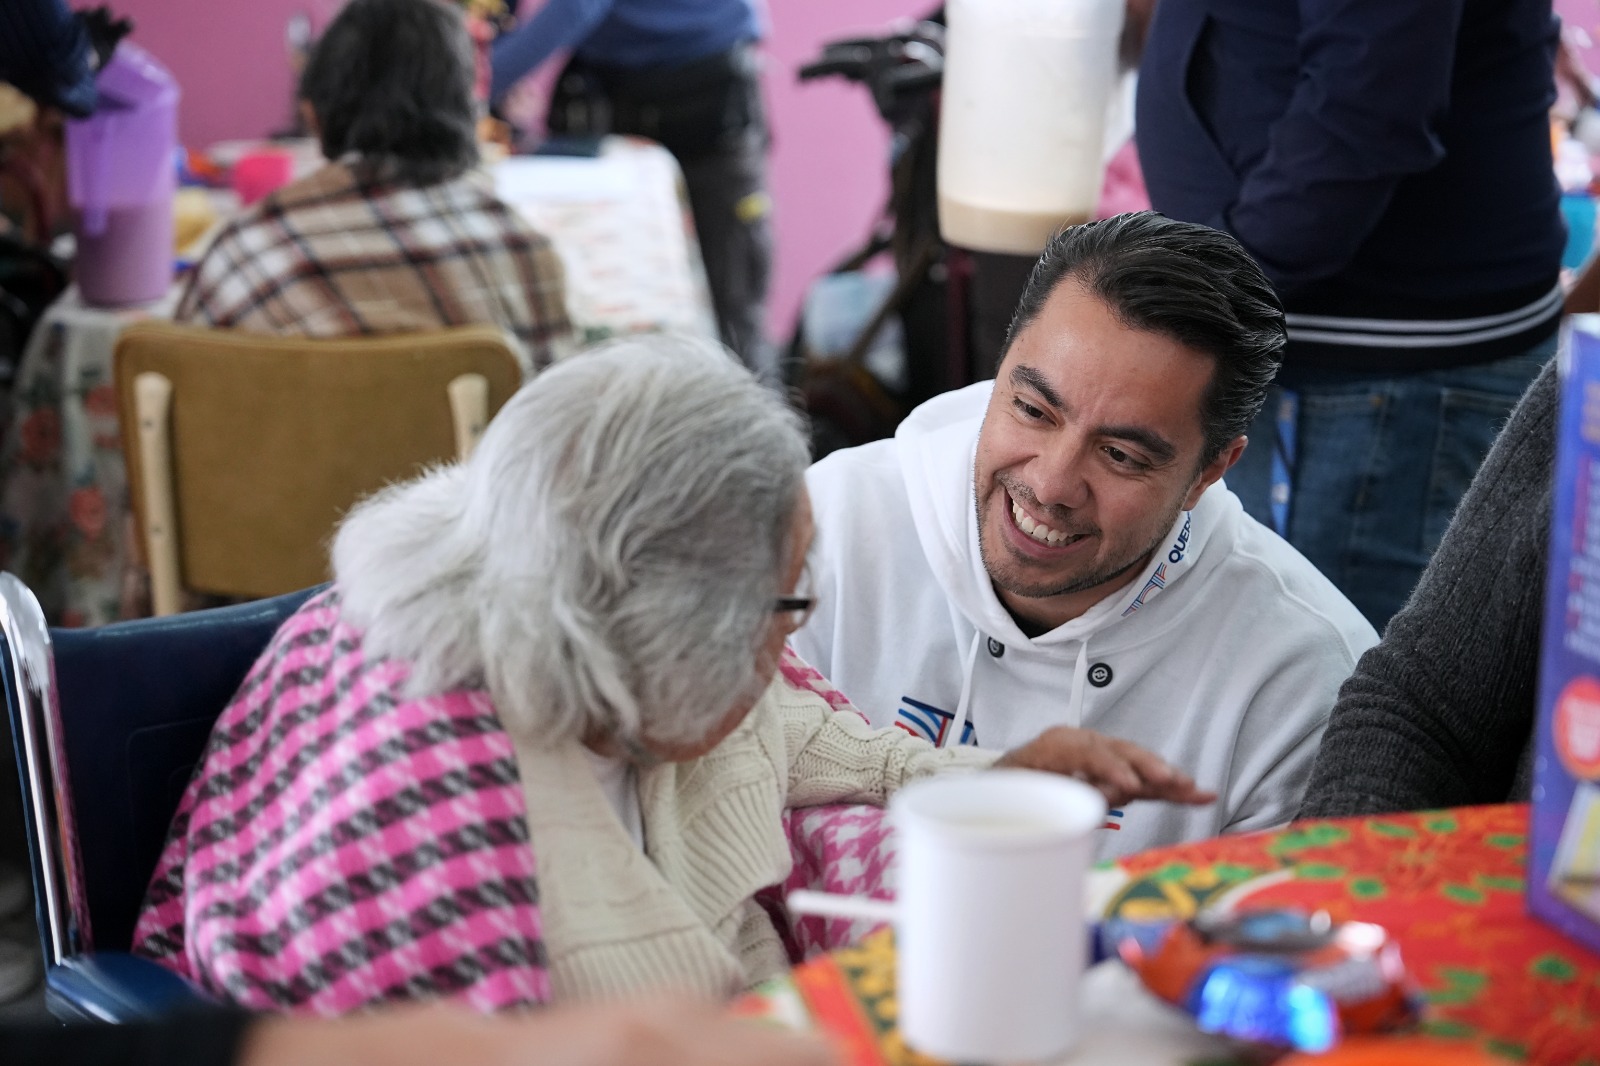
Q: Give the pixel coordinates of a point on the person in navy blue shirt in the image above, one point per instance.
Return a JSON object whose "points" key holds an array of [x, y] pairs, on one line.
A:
{"points": [[1387, 162], [684, 73]]}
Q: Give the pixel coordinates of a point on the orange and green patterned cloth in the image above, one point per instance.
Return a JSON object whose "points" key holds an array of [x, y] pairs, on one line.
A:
{"points": [[1448, 884]]}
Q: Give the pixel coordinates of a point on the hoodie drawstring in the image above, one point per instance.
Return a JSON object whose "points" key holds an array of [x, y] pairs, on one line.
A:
{"points": [[1079, 674], [964, 705]]}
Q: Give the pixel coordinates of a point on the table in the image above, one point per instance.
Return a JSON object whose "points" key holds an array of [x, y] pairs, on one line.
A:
{"points": [[1449, 884], [850, 994], [621, 226], [619, 222]]}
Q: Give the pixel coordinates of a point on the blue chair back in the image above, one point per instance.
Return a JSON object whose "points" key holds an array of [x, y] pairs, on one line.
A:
{"points": [[109, 724]]}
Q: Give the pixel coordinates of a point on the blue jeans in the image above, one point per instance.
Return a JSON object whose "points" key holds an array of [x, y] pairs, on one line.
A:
{"points": [[1379, 466]]}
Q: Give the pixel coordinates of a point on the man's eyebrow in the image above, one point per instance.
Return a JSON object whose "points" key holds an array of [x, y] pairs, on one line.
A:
{"points": [[1028, 377], [1160, 449]]}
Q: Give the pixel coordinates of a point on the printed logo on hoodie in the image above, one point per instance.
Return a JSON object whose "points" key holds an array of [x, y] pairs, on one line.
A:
{"points": [[1158, 579], [929, 722]]}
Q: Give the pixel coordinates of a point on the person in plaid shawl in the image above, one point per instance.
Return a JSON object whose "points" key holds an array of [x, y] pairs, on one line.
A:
{"points": [[400, 230]]}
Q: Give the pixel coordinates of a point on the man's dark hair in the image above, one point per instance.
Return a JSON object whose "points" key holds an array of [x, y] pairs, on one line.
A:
{"points": [[391, 81], [1188, 282]]}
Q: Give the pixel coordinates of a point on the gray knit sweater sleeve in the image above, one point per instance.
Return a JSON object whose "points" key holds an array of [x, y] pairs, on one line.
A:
{"points": [[1441, 712]]}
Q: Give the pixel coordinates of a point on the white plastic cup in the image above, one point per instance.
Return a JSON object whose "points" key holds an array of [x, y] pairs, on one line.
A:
{"points": [[991, 937], [989, 924]]}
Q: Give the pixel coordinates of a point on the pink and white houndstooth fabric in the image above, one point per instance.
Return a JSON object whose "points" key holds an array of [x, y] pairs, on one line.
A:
{"points": [[849, 849], [845, 848]]}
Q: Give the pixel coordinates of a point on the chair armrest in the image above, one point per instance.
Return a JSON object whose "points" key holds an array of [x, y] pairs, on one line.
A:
{"points": [[116, 987]]}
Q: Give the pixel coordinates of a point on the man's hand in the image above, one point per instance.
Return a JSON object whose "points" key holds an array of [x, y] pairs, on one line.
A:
{"points": [[658, 1032], [1120, 769]]}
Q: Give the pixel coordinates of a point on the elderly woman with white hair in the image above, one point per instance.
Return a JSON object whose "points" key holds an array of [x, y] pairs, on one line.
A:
{"points": [[569, 651]]}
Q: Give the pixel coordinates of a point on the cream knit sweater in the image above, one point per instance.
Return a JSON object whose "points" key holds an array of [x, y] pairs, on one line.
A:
{"points": [[680, 914]]}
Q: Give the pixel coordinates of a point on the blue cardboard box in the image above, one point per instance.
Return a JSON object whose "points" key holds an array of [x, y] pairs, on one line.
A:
{"points": [[1564, 839]]}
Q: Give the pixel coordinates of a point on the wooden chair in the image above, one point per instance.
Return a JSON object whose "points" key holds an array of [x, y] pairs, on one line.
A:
{"points": [[244, 450]]}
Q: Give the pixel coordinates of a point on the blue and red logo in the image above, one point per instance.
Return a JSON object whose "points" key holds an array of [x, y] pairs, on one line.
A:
{"points": [[929, 722]]}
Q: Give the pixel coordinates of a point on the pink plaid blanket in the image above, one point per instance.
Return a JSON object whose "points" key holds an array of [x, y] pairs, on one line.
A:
{"points": [[342, 845]]}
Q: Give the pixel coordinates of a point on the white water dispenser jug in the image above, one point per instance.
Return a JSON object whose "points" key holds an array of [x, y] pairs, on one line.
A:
{"points": [[1022, 126]]}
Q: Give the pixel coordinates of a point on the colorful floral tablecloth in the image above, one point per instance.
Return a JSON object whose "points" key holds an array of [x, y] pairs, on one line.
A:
{"points": [[1449, 884], [620, 224], [66, 524]]}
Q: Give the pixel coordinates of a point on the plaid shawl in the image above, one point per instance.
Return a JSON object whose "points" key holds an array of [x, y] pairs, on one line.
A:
{"points": [[341, 845], [333, 255]]}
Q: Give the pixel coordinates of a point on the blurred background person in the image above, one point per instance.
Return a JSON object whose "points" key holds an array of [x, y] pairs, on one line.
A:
{"points": [[400, 230], [684, 73], [51, 53], [1388, 163], [1442, 712]]}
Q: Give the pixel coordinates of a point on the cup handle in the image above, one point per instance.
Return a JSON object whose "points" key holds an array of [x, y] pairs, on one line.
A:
{"points": [[834, 905], [1101, 936]]}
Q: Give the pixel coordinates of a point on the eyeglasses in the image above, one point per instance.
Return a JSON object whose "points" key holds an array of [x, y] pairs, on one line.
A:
{"points": [[796, 608]]}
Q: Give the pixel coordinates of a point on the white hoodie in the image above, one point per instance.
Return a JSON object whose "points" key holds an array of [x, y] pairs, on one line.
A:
{"points": [[1223, 655]]}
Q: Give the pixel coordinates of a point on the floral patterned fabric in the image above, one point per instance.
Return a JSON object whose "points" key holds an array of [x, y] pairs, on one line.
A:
{"points": [[1449, 885], [66, 528]]}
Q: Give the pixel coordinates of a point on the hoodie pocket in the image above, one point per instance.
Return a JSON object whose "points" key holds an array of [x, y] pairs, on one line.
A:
{"points": [[1199, 78], [1185, 169]]}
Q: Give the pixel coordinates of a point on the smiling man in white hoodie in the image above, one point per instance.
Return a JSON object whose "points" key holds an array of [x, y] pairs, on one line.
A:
{"points": [[1057, 547]]}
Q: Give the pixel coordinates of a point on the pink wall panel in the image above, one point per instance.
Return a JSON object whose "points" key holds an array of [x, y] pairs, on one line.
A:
{"points": [[229, 56], [830, 157], [1583, 15]]}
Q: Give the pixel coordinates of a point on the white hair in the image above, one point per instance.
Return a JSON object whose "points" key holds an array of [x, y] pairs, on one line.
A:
{"points": [[606, 561]]}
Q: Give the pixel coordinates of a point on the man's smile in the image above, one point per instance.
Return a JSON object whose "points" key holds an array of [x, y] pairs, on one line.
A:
{"points": [[1038, 535]]}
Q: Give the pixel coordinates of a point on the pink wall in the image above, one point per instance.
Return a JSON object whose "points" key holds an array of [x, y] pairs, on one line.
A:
{"points": [[830, 151], [829, 156], [1584, 15], [229, 56], [1581, 21]]}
